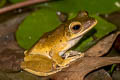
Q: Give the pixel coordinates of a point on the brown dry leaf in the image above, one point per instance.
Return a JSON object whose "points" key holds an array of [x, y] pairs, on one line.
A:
{"points": [[8, 25], [117, 43], [103, 46], [100, 74], [84, 66], [10, 53], [10, 60]]}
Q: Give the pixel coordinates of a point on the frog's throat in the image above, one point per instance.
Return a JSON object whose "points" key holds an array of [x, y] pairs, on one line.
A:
{"points": [[70, 43]]}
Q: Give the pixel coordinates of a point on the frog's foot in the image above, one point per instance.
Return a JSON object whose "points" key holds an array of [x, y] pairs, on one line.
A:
{"points": [[71, 53], [71, 59]]}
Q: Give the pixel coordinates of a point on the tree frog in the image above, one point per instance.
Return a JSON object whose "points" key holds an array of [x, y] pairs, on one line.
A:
{"points": [[46, 56]]}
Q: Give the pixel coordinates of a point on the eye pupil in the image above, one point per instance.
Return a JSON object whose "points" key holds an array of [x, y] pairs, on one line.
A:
{"points": [[76, 27]]}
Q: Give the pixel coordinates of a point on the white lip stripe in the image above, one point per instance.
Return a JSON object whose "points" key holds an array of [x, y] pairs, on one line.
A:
{"points": [[70, 44]]}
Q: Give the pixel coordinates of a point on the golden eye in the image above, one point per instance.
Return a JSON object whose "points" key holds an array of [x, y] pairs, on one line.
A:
{"points": [[75, 27]]}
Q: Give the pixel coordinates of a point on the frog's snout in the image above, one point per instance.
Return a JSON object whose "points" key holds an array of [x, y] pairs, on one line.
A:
{"points": [[90, 23]]}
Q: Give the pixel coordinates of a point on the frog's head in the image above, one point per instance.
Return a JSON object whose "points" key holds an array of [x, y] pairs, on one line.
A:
{"points": [[78, 26]]}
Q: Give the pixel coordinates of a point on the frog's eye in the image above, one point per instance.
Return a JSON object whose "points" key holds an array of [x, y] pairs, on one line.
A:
{"points": [[75, 27]]}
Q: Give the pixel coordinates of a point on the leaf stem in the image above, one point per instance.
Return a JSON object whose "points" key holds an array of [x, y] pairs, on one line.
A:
{"points": [[21, 4]]}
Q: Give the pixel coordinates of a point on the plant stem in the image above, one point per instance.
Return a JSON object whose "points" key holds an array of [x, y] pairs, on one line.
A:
{"points": [[21, 4]]}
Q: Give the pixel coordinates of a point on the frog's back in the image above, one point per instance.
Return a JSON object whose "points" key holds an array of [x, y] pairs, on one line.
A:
{"points": [[50, 41]]}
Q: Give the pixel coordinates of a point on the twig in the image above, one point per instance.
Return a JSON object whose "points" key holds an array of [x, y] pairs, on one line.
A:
{"points": [[21, 4]]}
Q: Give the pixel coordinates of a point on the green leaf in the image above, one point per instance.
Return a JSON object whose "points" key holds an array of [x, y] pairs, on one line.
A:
{"points": [[92, 6], [45, 20], [35, 25], [16, 1]]}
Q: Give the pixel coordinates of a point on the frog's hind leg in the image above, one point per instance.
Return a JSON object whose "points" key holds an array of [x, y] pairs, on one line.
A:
{"points": [[43, 73], [40, 68], [70, 58]]}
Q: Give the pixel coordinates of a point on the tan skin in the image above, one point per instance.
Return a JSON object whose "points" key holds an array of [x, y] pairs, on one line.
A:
{"points": [[45, 57]]}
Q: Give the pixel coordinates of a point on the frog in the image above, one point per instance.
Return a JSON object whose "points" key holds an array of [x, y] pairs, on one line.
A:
{"points": [[45, 57]]}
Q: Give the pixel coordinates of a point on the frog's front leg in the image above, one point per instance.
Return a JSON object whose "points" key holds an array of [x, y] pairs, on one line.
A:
{"points": [[71, 53], [64, 62], [70, 57]]}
